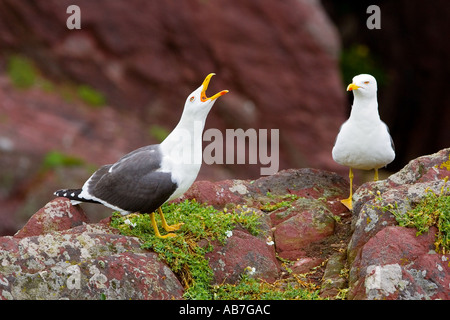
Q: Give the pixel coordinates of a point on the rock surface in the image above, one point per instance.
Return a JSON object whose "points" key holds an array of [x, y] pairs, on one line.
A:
{"points": [[387, 261], [300, 204], [60, 255], [243, 251], [397, 264], [56, 215], [295, 234], [86, 262]]}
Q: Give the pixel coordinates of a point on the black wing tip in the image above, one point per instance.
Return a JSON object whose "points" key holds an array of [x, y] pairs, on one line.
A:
{"points": [[72, 194], [59, 193]]}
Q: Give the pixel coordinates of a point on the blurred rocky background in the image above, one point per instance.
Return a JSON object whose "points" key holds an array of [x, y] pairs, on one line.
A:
{"points": [[71, 100]]}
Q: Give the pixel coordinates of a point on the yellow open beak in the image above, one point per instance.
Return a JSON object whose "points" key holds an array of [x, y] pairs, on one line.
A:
{"points": [[352, 86], [205, 84]]}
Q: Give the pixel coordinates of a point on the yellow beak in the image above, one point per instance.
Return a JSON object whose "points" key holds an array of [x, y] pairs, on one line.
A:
{"points": [[205, 84], [352, 86]]}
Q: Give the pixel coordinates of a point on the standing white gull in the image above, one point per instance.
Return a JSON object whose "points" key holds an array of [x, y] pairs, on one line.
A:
{"points": [[363, 141], [144, 179]]}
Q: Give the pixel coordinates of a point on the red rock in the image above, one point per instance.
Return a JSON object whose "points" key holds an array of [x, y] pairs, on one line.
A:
{"points": [[56, 215], [397, 264], [304, 265], [390, 262], [423, 169], [217, 194], [402, 190], [303, 182], [90, 261], [333, 278], [150, 279], [394, 244], [241, 252], [385, 261], [293, 236], [337, 208]]}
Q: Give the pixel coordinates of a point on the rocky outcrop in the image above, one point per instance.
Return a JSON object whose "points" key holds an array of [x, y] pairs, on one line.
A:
{"points": [[90, 261], [387, 261], [301, 205], [398, 264], [59, 254]]}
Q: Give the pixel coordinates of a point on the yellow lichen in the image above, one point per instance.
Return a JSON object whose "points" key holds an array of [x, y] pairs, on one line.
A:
{"points": [[446, 164]]}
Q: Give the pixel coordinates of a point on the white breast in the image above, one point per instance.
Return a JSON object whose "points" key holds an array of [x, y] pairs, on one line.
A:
{"points": [[363, 146]]}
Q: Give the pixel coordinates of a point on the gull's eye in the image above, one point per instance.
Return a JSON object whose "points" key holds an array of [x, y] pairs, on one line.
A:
{"points": [[366, 82], [191, 99]]}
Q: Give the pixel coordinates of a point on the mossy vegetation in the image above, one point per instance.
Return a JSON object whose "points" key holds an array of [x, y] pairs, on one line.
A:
{"points": [[185, 253], [158, 132], [203, 228], [432, 210], [293, 288], [55, 159], [24, 75], [91, 96], [21, 71], [277, 202]]}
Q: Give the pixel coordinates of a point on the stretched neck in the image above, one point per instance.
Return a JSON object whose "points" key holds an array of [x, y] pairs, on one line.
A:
{"points": [[185, 141], [189, 125], [365, 107]]}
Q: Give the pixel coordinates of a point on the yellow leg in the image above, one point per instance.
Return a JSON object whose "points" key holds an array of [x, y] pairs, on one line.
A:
{"points": [[166, 227], [375, 178], [348, 202], [155, 227]]}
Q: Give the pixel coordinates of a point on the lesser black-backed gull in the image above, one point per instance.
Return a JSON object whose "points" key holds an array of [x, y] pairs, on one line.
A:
{"points": [[363, 141], [144, 179]]}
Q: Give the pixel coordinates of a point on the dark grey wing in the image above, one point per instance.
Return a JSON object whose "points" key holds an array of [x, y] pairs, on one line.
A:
{"points": [[133, 183], [389, 133]]}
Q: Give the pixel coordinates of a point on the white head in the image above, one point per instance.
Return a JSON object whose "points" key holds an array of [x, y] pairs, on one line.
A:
{"points": [[183, 142], [198, 104], [364, 86]]}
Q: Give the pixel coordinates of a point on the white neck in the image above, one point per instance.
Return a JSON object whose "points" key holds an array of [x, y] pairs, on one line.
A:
{"points": [[184, 143], [182, 151], [365, 108]]}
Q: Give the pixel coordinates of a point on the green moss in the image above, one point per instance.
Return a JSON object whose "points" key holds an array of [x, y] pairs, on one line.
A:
{"points": [[276, 202], [24, 74], [432, 210], [21, 71], [158, 132], [185, 253], [253, 289], [91, 96], [54, 159]]}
